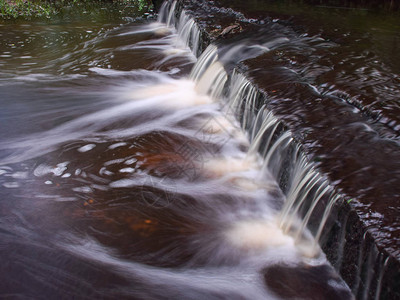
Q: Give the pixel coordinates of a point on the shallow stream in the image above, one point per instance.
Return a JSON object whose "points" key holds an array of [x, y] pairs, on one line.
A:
{"points": [[121, 178]]}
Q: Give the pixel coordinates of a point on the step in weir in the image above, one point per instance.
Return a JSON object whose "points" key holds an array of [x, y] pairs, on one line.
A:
{"points": [[336, 159]]}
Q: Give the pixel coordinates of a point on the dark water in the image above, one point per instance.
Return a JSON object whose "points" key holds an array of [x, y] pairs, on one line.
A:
{"points": [[120, 179]]}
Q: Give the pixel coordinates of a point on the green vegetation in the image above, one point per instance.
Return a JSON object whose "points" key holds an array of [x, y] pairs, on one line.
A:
{"points": [[21, 8], [27, 9]]}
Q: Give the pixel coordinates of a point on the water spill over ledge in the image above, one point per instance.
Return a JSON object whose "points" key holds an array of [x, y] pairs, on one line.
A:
{"points": [[154, 192], [339, 122], [122, 178]]}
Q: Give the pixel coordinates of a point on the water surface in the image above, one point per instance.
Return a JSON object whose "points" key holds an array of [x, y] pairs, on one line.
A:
{"points": [[118, 178]]}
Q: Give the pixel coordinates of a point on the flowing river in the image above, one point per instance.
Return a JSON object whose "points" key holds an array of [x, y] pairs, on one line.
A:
{"points": [[122, 175]]}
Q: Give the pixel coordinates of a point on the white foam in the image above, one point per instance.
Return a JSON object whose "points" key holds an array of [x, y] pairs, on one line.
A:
{"points": [[256, 235], [116, 145], [221, 125], [83, 189], [11, 185], [20, 175], [127, 170], [217, 124], [44, 169], [174, 51], [161, 31], [86, 148], [177, 94], [247, 183], [130, 161], [226, 165]]}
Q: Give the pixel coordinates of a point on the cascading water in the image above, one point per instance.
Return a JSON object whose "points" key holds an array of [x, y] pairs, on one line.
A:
{"points": [[303, 178], [304, 183], [156, 191]]}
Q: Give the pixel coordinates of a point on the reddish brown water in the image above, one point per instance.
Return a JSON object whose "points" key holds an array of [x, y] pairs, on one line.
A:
{"points": [[118, 179]]}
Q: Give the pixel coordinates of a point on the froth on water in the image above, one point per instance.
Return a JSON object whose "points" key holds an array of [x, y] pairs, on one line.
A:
{"points": [[140, 187]]}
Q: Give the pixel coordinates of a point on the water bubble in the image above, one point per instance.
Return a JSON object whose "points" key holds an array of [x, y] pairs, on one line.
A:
{"points": [[116, 145], [11, 185], [127, 170], [86, 148]]}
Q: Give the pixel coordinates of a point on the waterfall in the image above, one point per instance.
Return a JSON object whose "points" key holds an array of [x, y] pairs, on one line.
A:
{"points": [[304, 187], [207, 58], [167, 13], [188, 33], [381, 273], [275, 145], [135, 169]]}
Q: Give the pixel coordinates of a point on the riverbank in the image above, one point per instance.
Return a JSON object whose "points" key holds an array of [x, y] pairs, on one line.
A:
{"points": [[12, 9], [26, 9]]}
